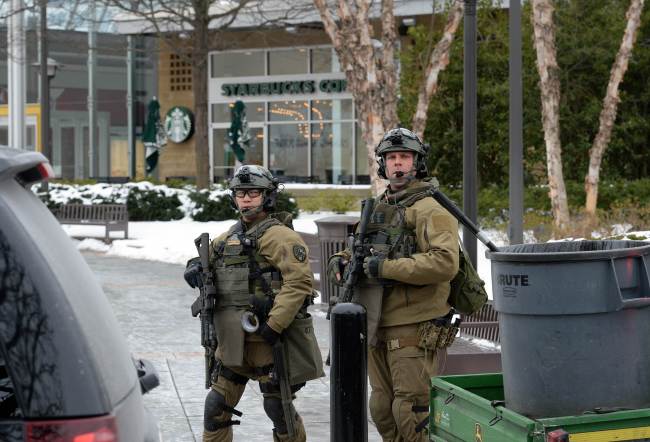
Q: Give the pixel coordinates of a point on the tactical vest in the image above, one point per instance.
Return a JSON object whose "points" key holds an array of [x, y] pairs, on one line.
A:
{"points": [[239, 271], [233, 261], [389, 236]]}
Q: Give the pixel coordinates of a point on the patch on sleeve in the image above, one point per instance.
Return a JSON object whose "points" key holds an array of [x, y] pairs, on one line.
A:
{"points": [[300, 253]]}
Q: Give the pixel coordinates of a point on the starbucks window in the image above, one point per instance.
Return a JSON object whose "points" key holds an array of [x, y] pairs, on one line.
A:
{"points": [[323, 61], [288, 61], [237, 64], [221, 112], [331, 109], [294, 110], [223, 157], [362, 159], [288, 150], [332, 152]]}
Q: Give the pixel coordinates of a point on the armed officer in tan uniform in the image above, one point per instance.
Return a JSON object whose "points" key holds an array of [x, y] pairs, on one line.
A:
{"points": [[260, 268], [412, 256]]}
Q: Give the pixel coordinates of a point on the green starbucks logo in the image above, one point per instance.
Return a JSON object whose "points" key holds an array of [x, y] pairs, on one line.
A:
{"points": [[179, 124]]}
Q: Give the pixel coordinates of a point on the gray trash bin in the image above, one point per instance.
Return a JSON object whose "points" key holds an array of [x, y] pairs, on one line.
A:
{"points": [[332, 234], [574, 321]]}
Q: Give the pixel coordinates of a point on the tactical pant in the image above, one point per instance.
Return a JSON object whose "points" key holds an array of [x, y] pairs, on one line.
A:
{"points": [[258, 357], [399, 373]]}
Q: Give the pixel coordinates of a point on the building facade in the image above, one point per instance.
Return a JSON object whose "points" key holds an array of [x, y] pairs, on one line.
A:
{"points": [[72, 152], [300, 114]]}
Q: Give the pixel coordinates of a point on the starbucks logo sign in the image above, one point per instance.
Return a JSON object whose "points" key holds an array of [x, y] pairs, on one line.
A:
{"points": [[179, 124]]}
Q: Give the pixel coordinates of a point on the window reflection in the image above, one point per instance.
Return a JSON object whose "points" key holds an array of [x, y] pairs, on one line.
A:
{"points": [[221, 112], [331, 109], [237, 64], [288, 111], [288, 145], [288, 61], [362, 159], [332, 152], [322, 61], [224, 158]]}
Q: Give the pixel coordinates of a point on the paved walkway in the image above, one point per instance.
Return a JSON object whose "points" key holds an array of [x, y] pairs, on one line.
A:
{"points": [[152, 304]]}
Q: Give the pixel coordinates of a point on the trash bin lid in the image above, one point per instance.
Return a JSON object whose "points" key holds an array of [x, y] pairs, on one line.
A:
{"points": [[337, 219], [570, 251]]}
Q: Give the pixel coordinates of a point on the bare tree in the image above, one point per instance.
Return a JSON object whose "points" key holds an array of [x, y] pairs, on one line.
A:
{"points": [[610, 105], [196, 20], [438, 61], [549, 85], [369, 67]]}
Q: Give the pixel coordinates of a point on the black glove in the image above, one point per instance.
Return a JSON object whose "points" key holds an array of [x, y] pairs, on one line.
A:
{"points": [[372, 266], [336, 265], [192, 273], [261, 306], [268, 334]]}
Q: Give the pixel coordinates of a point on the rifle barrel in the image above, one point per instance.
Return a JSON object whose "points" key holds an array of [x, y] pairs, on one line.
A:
{"points": [[463, 219]]}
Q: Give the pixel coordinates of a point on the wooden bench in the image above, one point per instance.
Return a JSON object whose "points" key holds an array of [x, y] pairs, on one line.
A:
{"points": [[113, 216], [483, 324]]}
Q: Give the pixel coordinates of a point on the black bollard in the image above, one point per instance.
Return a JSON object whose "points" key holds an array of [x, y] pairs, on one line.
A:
{"points": [[348, 374]]}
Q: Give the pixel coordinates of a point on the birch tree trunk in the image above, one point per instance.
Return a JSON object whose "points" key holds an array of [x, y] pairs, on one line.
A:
{"points": [[369, 67], [438, 62], [610, 105], [549, 85]]}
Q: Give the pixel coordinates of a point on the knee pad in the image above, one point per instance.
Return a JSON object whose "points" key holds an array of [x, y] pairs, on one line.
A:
{"points": [[273, 409], [215, 407]]}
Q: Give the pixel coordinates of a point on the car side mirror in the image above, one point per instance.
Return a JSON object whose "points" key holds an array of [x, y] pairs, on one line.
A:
{"points": [[147, 374]]}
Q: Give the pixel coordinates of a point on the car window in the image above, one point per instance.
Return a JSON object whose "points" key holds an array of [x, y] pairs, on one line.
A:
{"points": [[74, 308], [8, 404]]}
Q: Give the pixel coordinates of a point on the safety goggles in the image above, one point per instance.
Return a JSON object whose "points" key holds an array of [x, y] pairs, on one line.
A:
{"points": [[252, 193]]}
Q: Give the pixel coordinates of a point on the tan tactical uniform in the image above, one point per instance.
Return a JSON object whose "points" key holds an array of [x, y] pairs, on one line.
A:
{"points": [[242, 356], [414, 292]]}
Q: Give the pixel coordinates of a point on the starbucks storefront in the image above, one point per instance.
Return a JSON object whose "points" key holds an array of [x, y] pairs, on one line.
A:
{"points": [[299, 115]]}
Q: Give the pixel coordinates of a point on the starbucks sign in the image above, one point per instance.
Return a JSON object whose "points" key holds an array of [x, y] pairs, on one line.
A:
{"points": [[179, 124]]}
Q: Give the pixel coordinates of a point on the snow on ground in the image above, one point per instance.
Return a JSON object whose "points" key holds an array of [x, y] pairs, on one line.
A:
{"points": [[173, 241]]}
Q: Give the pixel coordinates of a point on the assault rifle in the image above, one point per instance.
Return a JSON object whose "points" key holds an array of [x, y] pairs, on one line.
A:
{"points": [[280, 374], [355, 268], [204, 306]]}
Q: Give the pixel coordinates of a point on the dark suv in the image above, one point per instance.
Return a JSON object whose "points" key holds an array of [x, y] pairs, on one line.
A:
{"points": [[66, 374]]}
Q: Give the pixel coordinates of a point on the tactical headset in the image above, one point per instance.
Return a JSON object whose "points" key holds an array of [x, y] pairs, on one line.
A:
{"points": [[400, 140], [255, 177]]}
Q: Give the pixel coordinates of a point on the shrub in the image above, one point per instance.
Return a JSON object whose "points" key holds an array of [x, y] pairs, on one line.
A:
{"points": [[287, 203], [331, 200], [211, 207], [153, 205]]}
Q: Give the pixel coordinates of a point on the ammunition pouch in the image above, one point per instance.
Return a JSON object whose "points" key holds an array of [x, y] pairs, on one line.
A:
{"points": [[230, 335], [232, 287], [434, 336], [369, 293], [303, 355]]}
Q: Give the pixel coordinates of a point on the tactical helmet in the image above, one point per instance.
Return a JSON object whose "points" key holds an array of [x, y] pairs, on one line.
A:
{"points": [[251, 176], [400, 140]]}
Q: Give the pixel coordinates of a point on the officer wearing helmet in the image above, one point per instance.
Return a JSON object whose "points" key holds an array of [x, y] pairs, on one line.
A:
{"points": [[412, 255], [264, 285]]}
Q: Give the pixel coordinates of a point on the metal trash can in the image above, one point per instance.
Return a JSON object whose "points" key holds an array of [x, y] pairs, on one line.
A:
{"points": [[574, 322], [333, 231]]}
